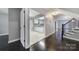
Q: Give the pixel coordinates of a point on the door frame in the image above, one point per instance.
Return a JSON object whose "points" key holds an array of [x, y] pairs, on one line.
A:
{"points": [[25, 43]]}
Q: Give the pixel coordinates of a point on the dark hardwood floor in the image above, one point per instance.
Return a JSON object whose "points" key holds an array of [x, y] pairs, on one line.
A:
{"points": [[47, 44], [55, 43], [15, 46], [51, 43]]}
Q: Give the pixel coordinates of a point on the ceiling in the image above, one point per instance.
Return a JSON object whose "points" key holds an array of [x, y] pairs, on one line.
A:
{"points": [[74, 10], [33, 13], [44, 11]]}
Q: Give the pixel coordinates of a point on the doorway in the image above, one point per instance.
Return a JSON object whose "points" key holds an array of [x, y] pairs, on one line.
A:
{"points": [[37, 28], [24, 28], [32, 27]]}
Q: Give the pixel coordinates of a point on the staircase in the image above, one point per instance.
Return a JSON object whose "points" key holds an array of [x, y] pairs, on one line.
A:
{"points": [[72, 34]]}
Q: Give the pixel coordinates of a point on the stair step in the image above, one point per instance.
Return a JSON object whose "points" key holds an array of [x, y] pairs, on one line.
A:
{"points": [[70, 33], [73, 31], [66, 34], [76, 29], [71, 38]]}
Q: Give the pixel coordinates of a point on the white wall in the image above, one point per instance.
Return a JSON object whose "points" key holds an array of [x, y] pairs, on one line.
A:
{"points": [[49, 25], [4, 23], [14, 24]]}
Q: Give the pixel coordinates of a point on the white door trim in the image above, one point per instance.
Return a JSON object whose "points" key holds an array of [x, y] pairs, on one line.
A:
{"points": [[14, 40]]}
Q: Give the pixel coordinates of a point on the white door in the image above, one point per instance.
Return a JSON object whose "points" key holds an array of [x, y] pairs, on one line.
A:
{"points": [[24, 31], [22, 27], [27, 40]]}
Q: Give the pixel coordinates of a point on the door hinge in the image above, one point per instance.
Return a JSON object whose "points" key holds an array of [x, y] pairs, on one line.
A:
{"points": [[24, 40], [24, 11], [24, 26], [20, 28]]}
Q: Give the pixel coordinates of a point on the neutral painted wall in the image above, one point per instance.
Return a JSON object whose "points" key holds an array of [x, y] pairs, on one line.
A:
{"points": [[14, 24], [49, 25], [4, 23]]}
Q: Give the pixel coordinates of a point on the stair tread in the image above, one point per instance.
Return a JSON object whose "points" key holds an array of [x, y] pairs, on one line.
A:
{"points": [[71, 38], [76, 28], [69, 33]]}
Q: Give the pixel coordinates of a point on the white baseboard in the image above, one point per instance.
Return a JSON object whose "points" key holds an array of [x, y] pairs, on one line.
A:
{"points": [[11, 41], [49, 34]]}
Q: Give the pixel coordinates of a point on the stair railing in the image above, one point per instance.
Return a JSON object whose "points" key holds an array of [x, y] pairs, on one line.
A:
{"points": [[63, 25]]}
